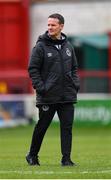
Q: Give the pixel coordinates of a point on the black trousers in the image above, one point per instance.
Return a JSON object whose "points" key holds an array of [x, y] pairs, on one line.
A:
{"points": [[46, 113]]}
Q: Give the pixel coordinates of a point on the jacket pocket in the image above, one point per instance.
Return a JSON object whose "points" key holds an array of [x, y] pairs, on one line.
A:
{"points": [[50, 84], [71, 81]]}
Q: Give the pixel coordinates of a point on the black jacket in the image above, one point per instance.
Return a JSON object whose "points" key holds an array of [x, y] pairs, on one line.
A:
{"points": [[53, 71]]}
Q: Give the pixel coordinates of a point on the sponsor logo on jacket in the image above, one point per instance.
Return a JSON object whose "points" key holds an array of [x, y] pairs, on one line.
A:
{"points": [[49, 54]]}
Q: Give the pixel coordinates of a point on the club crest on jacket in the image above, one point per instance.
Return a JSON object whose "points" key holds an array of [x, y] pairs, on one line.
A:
{"points": [[68, 52], [45, 107]]}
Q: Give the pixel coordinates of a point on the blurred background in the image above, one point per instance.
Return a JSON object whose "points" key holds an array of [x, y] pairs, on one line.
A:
{"points": [[88, 27]]}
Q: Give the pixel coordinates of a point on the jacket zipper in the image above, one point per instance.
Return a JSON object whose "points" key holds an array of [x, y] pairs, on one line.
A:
{"points": [[62, 68]]}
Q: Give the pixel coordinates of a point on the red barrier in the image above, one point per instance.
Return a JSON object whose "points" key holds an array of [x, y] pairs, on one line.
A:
{"points": [[14, 43]]}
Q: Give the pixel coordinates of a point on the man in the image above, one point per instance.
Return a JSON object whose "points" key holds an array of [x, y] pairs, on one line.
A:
{"points": [[53, 71]]}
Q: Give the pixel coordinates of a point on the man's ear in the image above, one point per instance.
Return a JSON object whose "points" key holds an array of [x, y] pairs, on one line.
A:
{"points": [[62, 25]]}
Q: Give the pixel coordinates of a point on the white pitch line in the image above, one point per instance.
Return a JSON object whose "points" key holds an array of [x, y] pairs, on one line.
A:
{"points": [[99, 171], [54, 172]]}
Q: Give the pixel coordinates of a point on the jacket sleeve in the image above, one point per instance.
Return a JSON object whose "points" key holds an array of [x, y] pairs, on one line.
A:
{"points": [[75, 75], [34, 68]]}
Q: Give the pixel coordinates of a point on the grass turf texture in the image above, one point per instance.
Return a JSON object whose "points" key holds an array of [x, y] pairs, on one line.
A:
{"points": [[91, 151]]}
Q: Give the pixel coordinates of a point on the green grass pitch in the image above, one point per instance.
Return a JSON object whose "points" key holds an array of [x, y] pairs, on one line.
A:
{"points": [[91, 151]]}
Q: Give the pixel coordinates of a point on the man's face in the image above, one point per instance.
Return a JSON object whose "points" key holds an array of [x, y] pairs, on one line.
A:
{"points": [[54, 27]]}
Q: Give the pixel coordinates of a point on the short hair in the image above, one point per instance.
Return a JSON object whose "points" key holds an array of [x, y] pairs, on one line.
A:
{"points": [[57, 16]]}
